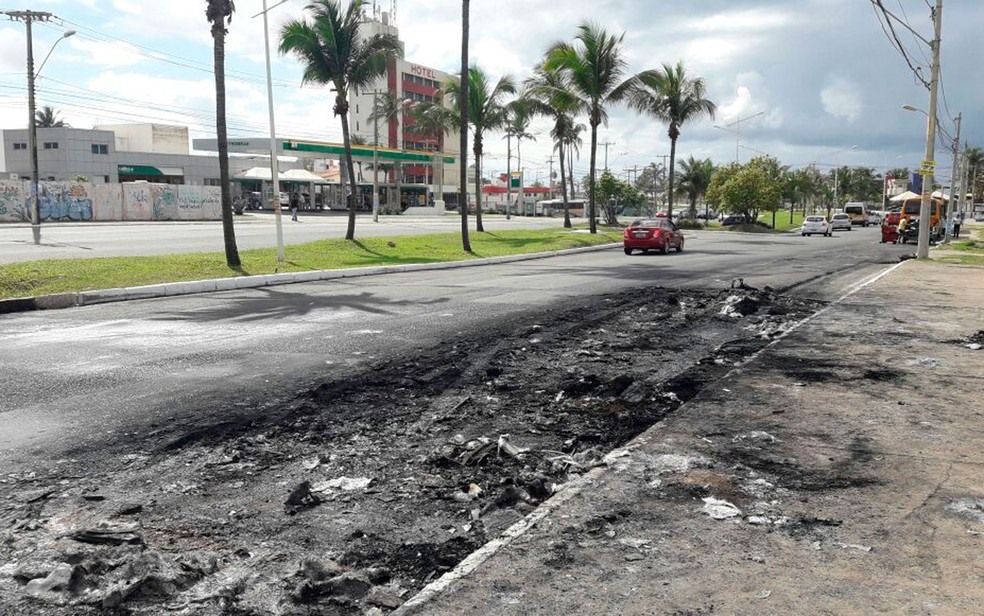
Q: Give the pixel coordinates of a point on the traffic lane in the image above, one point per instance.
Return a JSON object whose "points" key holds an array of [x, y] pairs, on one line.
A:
{"points": [[78, 373], [88, 240]]}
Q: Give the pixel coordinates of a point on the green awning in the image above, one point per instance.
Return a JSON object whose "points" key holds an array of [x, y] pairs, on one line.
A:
{"points": [[362, 151]]}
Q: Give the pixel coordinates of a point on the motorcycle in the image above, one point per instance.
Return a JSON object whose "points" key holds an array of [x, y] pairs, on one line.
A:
{"points": [[911, 233]]}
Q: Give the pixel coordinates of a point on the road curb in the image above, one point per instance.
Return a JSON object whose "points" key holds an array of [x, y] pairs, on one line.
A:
{"points": [[194, 287]]}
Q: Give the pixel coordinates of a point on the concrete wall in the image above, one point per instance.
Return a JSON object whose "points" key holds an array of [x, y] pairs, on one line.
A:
{"points": [[71, 201]]}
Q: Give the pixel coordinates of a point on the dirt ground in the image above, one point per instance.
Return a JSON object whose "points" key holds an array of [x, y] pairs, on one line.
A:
{"points": [[357, 494], [837, 473]]}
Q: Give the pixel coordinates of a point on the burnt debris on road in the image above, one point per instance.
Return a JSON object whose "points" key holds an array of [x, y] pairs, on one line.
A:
{"points": [[357, 494]]}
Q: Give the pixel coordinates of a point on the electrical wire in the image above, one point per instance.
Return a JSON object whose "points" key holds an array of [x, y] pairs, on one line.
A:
{"points": [[885, 21]]}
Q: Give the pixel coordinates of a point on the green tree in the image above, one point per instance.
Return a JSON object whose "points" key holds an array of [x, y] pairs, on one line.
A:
{"points": [[486, 112], [332, 52], [219, 14], [47, 117], [693, 179], [745, 189], [549, 95], [675, 98], [595, 67], [617, 195]]}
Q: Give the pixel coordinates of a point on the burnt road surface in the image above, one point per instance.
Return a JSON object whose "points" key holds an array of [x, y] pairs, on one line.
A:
{"points": [[80, 378]]}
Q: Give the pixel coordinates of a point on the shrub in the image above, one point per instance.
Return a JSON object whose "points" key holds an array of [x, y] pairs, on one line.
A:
{"points": [[689, 224]]}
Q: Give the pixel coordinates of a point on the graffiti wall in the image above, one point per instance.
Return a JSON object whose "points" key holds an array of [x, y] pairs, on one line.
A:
{"points": [[80, 202], [13, 202]]}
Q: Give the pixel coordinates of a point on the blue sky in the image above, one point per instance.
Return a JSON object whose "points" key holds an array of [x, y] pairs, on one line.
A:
{"points": [[821, 72]]}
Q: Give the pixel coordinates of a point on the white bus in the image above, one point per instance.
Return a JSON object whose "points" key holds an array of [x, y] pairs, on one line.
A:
{"points": [[858, 213]]}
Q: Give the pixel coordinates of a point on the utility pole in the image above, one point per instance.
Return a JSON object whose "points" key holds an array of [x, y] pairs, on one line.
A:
{"points": [[29, 17], [954, 183], [606, 144], [929, 163], [375, 156]]}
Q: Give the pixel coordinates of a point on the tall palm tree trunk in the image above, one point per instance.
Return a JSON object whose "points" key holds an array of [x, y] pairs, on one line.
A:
{"points": [[347, 141], [669, 201], [591, 189], [520, 201], [228, 230], [563, 186], [398, 176], [570, 170], [478, 183], [463, 130]]}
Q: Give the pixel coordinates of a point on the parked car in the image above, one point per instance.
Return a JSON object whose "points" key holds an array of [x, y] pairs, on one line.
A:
{"points": [[733, 220], [652, 234], [815, 224], [840, 221]]}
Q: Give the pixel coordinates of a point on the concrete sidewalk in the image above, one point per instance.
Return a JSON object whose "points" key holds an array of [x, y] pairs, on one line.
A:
{"points": [[839, 472]]}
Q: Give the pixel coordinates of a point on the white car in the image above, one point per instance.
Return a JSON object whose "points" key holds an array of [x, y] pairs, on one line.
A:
{"points": [[815, 224], [840, 221]]}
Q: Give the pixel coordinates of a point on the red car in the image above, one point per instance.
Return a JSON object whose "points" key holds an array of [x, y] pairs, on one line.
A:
{"points": [[652, 234]]}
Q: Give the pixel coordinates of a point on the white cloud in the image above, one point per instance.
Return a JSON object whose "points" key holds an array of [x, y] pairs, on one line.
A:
{"points": [[111, 54], [841, 98]]}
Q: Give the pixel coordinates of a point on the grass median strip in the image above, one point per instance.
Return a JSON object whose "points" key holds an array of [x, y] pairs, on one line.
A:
{"points": [[45, 277]]}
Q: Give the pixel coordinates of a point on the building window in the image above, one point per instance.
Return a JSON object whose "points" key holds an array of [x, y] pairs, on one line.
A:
{"points": [[51, 145], [100, 148], [106, 179], [20, 146], [213, 182]]}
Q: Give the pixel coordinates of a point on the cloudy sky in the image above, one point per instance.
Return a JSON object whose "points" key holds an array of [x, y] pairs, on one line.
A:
{"points": [[821, 73]]}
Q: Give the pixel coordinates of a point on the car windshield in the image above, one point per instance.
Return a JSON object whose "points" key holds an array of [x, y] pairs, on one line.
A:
{"points": [[840, 216], [814, 219], [650, 222]]}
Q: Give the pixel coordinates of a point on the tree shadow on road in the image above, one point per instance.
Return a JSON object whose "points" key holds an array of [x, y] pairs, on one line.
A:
{"points": [[274, 304]]}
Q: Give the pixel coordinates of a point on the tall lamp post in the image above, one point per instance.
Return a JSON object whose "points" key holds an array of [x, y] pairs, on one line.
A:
{"points": [[274, 162], [737, 130], [29, 17]]}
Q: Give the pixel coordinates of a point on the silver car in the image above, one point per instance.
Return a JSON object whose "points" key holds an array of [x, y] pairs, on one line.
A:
{"points": [[840, 221], [815, 224]]}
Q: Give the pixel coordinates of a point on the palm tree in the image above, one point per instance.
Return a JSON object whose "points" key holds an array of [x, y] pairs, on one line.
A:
{"points": [[333, 52], [47, 117], [671, 96], [219, 13], [595, 68], [975, 163], [387, 108], [517, 127], [549, 95], [573, 141], [486, 112], [694, 177], [429, 120]]}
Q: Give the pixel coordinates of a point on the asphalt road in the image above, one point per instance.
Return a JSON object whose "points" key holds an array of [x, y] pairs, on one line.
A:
{"points": [[75, 379], [253, 230]]}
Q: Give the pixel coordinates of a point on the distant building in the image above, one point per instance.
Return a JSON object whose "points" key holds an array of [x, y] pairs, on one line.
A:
{"points": [[410, 83], [110, 154]]}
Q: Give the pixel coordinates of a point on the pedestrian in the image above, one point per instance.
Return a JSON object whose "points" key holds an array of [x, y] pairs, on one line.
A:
{"points": [[957, 221], [294, 204]]}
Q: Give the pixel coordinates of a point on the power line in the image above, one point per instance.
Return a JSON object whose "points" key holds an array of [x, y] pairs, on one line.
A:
{"points": [[885, 21]]}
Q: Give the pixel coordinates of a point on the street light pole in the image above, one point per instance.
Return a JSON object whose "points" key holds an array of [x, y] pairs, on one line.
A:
{"points": [[954, 183], [375, 155], [274, 163]]}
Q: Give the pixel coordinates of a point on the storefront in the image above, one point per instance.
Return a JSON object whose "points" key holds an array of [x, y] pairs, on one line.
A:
{"points": [[149, 173]]}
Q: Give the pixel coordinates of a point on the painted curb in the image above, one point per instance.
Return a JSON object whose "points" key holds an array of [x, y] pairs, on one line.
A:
{"points": [[172, 289]]}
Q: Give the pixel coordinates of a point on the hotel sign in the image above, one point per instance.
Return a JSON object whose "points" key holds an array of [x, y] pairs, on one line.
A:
{"points": [[422, 71]]}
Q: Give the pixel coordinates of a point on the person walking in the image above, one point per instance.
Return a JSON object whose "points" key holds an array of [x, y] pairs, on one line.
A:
{"points": [[295, 203]]}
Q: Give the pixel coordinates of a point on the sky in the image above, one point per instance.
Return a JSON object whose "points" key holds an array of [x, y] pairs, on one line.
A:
{"points": [[820, 76]]}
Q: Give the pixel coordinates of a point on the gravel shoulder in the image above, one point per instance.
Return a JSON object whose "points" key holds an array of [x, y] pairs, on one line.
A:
{"points": [[839, 472]]}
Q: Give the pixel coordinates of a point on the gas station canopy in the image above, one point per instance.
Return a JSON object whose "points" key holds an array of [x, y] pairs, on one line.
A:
{"points": [[321, 149]]}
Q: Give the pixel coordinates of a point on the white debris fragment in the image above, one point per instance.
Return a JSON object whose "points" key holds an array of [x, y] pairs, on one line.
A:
{"points": [[854, 546], [720, 509], [343, 483]]}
